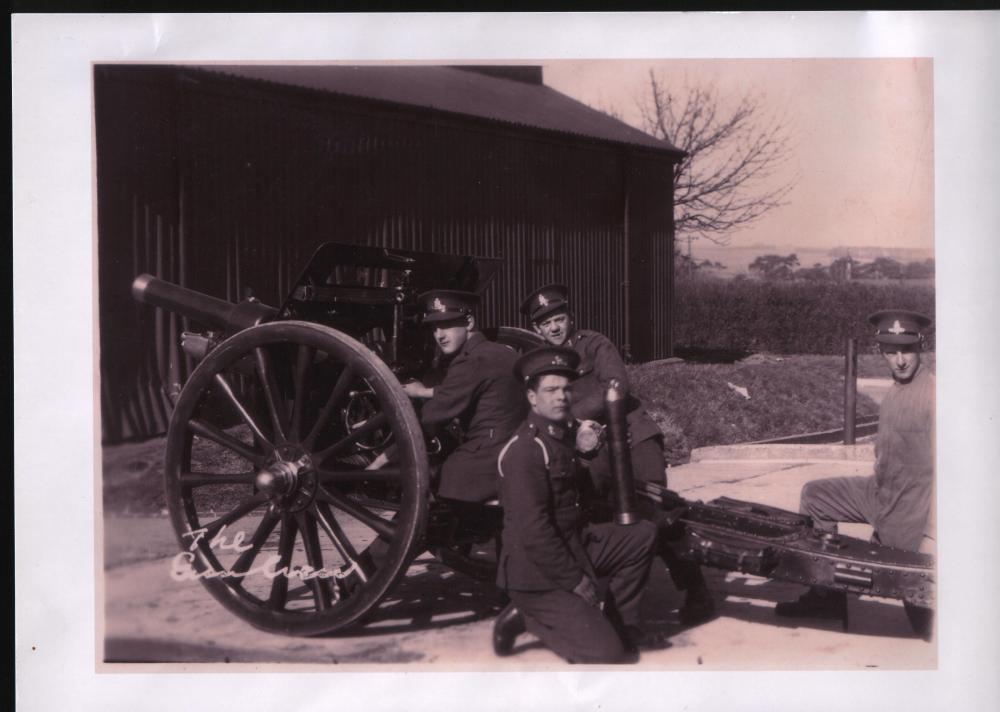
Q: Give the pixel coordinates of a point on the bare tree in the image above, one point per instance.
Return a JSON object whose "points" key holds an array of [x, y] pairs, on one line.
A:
{"points": [[728, 178]]}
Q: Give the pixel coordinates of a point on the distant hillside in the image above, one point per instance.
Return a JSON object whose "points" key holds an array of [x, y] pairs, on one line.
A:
{"points": [[737, 258], [868, 253]]}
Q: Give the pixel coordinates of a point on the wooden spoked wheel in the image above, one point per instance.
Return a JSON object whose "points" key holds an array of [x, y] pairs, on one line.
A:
{"points": [[266, 483]]}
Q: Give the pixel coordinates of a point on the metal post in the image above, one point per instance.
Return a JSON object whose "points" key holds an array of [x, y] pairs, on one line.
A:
{"points": [[850, 389]]}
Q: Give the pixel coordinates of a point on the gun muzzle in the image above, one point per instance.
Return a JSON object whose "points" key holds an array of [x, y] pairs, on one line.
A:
{"points": [[626, 509], [203, 308]]}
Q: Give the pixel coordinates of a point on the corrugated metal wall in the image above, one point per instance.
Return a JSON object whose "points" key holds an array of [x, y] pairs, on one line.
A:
{"points": [[138, 231], [228, 186]]}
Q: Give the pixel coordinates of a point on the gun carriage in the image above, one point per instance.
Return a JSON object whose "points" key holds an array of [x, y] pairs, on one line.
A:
{"points": [[266, 468]]}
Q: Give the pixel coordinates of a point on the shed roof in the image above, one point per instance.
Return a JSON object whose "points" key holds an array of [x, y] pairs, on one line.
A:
{"points": [[513, 95]]}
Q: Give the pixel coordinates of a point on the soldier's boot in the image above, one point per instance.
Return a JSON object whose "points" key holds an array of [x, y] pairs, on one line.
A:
{"points": [[699, 606], [817, 602], [508, 625]]}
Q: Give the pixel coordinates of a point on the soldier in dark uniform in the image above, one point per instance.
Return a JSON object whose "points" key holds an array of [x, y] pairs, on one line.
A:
{"points": [[549, 311], [551, 559], [474, 388], [478, 390], [896, 500]]}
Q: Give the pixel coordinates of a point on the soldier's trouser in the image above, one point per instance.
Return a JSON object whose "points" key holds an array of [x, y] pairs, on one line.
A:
{"points": [[839, 499], [577, 631], [855, 499], [684, 574], [572, 629], [648, 465]]}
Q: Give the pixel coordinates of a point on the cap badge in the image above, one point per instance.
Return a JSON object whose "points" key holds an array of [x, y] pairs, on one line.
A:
{"points": [[558, 361], [437, 305], [896, 328], [542, 301]]}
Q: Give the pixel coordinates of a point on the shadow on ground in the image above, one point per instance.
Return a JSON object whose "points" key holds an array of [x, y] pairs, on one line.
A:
{"points": [[432, 596], [752, 599]]}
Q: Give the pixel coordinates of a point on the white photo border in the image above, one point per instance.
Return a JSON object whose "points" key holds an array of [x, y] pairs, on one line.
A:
{"points": [[57, 444]]}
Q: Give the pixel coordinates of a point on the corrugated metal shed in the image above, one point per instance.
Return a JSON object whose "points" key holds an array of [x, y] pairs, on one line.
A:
{"points": [[516, 97], [226, 179]]}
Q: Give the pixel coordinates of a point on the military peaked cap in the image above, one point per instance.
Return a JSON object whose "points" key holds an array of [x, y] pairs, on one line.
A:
{"points": [[545, 300], [547, 359], [897, 326], [447, 304]]}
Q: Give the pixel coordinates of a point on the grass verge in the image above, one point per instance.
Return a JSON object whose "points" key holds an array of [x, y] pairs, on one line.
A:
{"points": [[697, 405]]}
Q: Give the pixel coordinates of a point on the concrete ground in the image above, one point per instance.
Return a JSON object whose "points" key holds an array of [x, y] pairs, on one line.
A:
{"points": [[442, 619]]}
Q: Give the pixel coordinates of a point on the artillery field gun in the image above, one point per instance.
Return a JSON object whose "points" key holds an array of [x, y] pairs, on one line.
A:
{"points": [[271, 436]]}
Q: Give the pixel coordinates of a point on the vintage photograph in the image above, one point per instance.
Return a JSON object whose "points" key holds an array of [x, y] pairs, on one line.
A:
{"points": [[507, 365], [591, 361]]}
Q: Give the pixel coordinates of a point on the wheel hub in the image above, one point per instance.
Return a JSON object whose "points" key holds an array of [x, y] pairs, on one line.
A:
{"points": [[289, 480]]}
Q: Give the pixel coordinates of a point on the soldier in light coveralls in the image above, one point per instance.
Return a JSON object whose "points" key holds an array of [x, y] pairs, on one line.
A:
{"points": [[897, 500]]}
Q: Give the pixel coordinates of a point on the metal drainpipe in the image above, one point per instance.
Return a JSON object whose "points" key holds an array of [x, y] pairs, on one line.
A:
{"points": [[626, 286]]}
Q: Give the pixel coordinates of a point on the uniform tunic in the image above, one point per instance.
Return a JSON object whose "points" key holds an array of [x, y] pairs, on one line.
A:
{"points": [[897, 499], [599, 363], [548, 548], [542, 546], [904, 460], [480, 391]]}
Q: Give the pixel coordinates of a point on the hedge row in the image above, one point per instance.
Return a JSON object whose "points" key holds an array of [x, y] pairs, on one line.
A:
{"points": [[787, 317]]}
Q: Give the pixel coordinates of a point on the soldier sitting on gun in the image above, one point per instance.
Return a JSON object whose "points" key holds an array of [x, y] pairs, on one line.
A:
{"points": [[896, 500], [551, 559], [474, 386], [477, 390], [600, 363]]}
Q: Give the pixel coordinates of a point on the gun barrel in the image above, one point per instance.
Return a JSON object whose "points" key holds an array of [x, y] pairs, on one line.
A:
{"points": [[626, 508], [211, 311]]}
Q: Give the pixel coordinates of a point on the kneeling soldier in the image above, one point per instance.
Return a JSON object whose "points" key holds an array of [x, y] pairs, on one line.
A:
{"points": [[551, 560], [549, 311]]}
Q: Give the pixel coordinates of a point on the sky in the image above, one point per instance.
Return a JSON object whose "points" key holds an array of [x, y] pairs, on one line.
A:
{"points": [[861, 132]]}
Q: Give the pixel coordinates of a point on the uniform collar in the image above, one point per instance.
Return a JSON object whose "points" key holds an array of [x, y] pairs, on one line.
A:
{"points": [[474, 340], [556, 431], [575, 337]]}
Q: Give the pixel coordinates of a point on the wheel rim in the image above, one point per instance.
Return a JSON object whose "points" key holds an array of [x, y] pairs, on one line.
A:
{"points": [[266, 485]]}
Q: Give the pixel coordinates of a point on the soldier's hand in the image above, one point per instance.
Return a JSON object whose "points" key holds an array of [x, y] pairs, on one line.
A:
{"points": [[587, 590], [379, 462], [416, 389], [589, 436]]}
